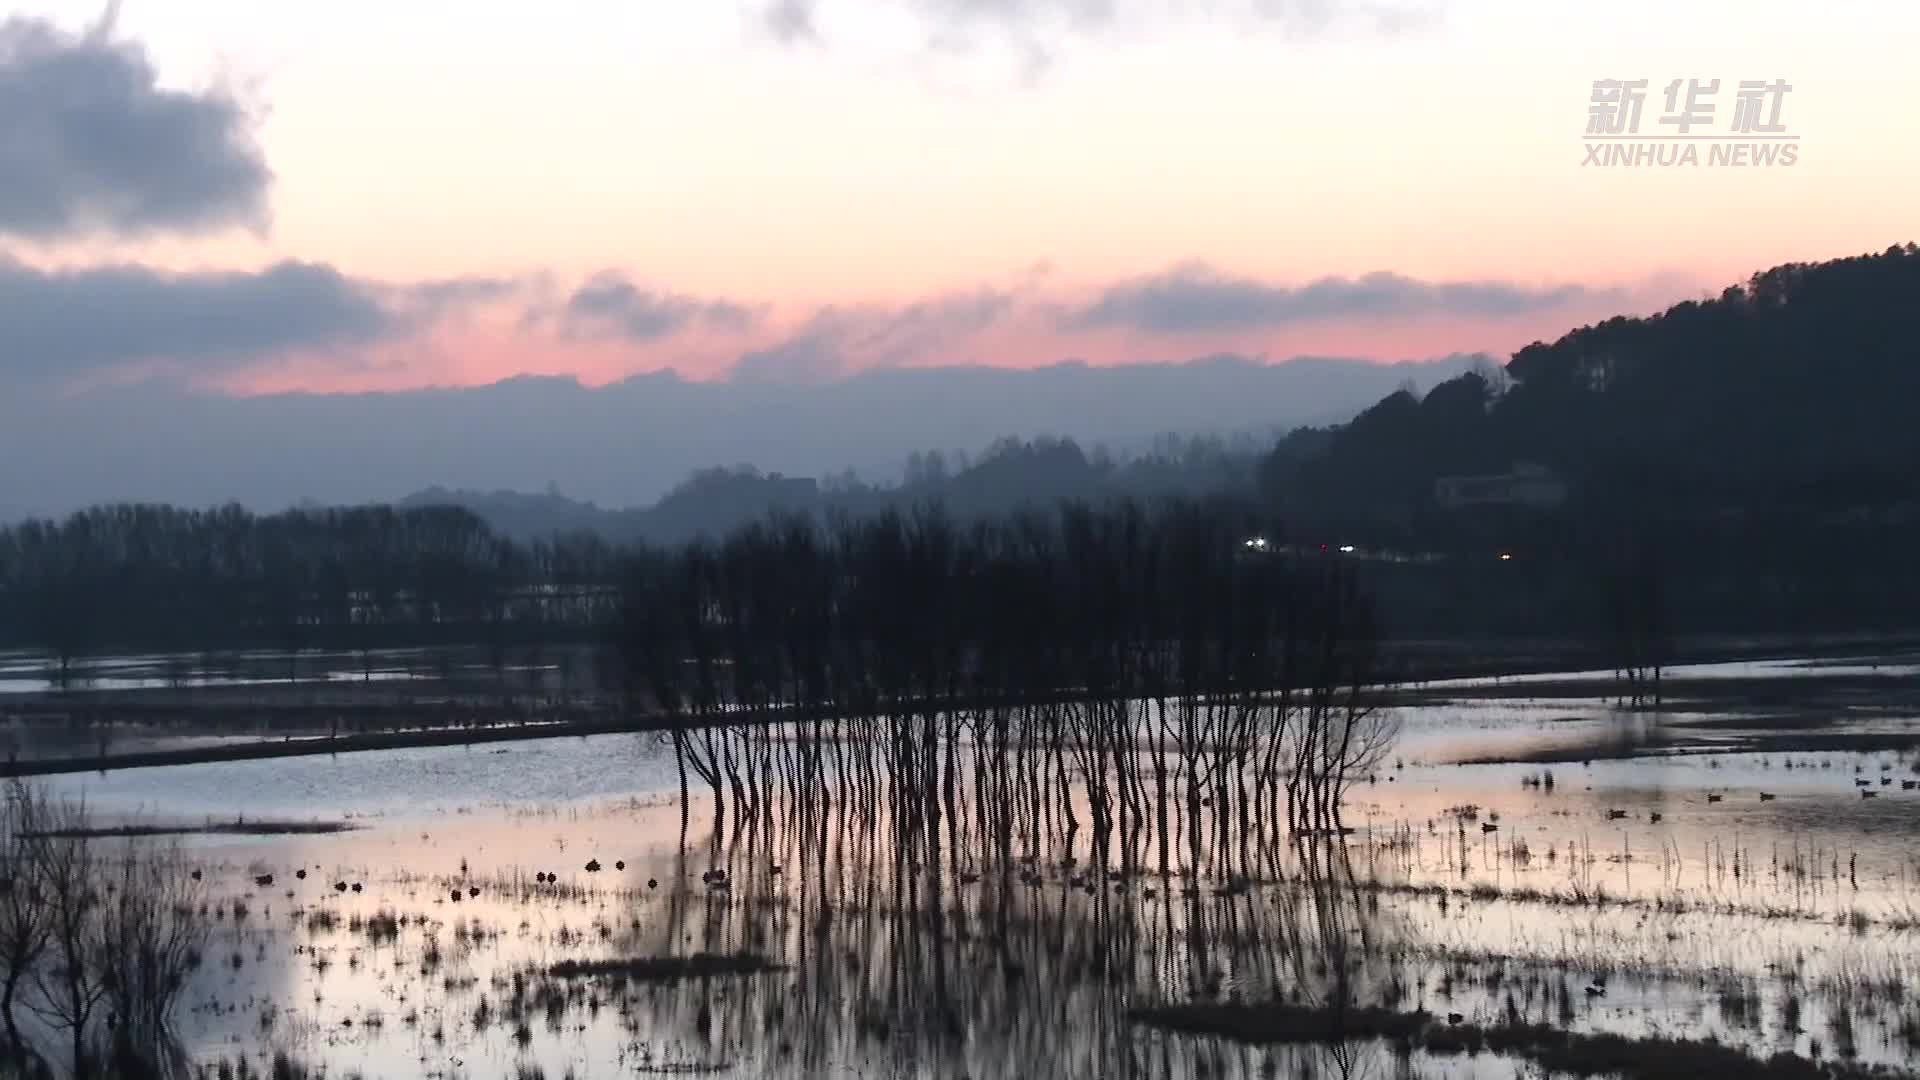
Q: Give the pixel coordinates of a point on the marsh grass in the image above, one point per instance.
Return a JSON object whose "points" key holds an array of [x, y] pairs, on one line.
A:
{"points": [[665, 968], [1740, 1004], [281, 1065], [380, 928], [1556, 1051]]}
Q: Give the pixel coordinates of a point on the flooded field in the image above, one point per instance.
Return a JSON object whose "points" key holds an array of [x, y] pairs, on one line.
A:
{"points": [[1529, 865], [170, 702]]}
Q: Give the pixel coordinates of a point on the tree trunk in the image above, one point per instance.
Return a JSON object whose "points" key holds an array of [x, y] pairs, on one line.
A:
{"points": [[15, 1044]]}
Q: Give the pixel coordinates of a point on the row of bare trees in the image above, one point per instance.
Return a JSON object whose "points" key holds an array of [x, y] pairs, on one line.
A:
{"points": [[141, 577], [988, 694], [1011, 778], [96, 942]]}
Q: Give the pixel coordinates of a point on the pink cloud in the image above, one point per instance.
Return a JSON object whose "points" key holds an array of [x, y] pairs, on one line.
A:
{"points": [[1017, 327]]}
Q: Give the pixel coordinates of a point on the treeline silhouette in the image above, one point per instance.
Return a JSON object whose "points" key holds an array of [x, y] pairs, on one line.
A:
{"points": [[1755, 451], [132, 577], [1037, 589]]}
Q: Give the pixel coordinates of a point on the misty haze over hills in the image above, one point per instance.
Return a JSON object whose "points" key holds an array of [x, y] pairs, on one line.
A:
{"points": [[628, 443]]}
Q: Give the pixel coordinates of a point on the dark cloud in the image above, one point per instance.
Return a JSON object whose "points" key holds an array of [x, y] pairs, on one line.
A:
{"points": [[791, 21], [64, 323], [1195, 298], [90, 142], [431, 299], [611, 305], [837, 341], [814, 354]]}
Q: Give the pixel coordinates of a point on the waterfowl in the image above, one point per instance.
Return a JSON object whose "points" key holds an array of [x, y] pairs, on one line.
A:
{"points": [[456, 896], [301, 874], [620, 864], [1616, 815], [263, 880], [339, 886], [473, 890], [356, 886], [1714, 798], [1766, 796], [1488, 826], [593, 866], [653, 883], [1653, 818]]}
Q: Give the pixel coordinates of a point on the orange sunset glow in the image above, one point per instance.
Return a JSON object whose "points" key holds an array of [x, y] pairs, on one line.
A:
{"points": [[856, 174]]}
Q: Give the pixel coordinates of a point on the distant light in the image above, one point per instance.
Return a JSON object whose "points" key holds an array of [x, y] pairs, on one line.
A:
{"points": [[1506, 556], [1258, 543], [1346, 549]]}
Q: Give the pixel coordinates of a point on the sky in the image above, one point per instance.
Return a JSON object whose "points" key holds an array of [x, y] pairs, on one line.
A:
{"points": [[246, 198], [348, 250]]}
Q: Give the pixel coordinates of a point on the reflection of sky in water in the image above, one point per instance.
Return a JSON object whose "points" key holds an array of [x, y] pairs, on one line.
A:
{"points": [[1516, 728], [26, 672], [163, 682], [1817, 802], [398, 783], [1782, 668], [29, 673], [341, 998], [1718, 893]]}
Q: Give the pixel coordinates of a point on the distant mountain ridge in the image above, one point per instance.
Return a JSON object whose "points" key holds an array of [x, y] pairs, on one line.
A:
{"points": [[1006, 475], [628, 444]]}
